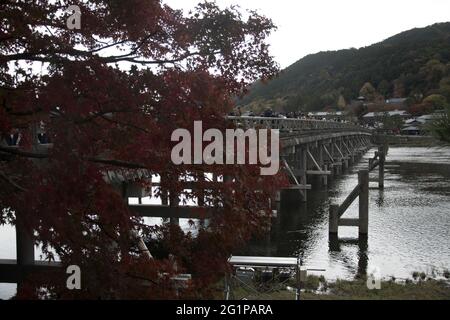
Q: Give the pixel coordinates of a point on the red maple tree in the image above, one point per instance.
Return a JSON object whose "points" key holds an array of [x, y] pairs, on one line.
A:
{"points": [[109, 95]]}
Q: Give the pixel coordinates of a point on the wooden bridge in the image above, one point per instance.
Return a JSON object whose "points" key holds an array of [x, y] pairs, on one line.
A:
{"points": [[314, 148], [310, 150]]}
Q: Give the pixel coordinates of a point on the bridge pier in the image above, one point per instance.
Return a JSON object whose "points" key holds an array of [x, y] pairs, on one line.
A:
{"points": [[338, 158], [304, 169], [323, 178], [382, 153], [361, 191], [311, 162]]}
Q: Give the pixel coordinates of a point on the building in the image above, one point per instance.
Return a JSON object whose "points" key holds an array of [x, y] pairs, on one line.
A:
{"points": [[373, 117], [418, 126], [399, 101], [413, 122], [412, 130], [338, 115], [427, 118]]}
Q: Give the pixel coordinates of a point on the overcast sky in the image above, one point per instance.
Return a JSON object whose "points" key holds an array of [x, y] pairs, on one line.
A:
{"points": [[311, 26]]}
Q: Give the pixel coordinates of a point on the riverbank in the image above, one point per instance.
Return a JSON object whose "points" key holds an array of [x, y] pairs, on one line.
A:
{"points": [[428, 289], [408, 220], [421, 287], [406, 141]]}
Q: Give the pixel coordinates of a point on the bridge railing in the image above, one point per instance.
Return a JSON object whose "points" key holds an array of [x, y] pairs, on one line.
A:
{"points": [[292, 124]]}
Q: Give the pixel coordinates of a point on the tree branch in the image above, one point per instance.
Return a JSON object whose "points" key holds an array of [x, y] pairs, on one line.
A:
{"points": [[55, 56], [15, 185], [118, 163], [25, 154], [112, 162]]}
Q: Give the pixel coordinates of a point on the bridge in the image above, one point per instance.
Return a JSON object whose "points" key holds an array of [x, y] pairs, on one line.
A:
{"points": [[311, 150]]}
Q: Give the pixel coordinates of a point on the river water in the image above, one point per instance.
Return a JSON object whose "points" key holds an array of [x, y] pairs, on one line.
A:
{"points": [[409, 222]]}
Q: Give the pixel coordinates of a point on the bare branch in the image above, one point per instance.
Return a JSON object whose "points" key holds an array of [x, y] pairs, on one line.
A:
{"points": [[15, 185], [112, 162], [25, 154]]}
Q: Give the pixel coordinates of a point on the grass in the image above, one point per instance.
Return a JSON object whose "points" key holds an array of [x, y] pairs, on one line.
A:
{"points": [[390, 290], [421, 287]]}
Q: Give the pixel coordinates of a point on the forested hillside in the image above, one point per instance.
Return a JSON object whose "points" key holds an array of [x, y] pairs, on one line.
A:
{"points": [[414, 64]]}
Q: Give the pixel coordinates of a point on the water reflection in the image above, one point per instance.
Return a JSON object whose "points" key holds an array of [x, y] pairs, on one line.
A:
{"points": [[409, 221], [361, 242], [380, 200]]}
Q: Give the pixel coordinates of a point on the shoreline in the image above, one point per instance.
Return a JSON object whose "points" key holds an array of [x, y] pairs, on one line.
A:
{"points": [[420, 287], [406, 141]]}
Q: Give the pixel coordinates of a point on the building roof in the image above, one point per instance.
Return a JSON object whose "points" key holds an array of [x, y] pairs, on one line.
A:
{"points": [[411, 128], [398, 113], [389, 113], [427, 117], [324, 114], [395, 100]]}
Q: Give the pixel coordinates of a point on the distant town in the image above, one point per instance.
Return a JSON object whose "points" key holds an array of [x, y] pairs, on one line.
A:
{"points": [[389, 117]]}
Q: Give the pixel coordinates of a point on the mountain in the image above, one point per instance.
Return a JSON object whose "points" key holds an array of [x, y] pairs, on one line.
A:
{"points": [[414, 63]]}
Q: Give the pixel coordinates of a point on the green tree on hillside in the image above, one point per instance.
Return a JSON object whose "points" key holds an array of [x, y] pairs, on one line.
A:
{"points": [[444, 87], [440, 128], [436, 101], [384, 88], [391, 122], [341, 102], [412, 63], [433, 70], [368, 91], [399, 88]]}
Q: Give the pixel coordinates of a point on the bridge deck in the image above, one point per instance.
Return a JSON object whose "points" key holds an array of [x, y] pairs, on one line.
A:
{"points": [[293, 124]]}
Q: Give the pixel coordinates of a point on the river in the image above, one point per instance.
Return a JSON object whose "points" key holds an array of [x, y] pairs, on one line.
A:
{"points": [[409, 222]]}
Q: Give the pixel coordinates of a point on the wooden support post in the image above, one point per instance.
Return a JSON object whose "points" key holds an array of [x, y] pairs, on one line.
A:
{"points": [[350, 159], [24, 236], [336, 170], [382, 159], [313, 160], [330, 157], [226, 290], [174, 201], [24, 243], [297, 161], [332, 151], [345, 155], [320, 153], [354, 149], [363, 181], [341, 157], [292, 160], [164, 194], [201, 197], [304, 168], [201, 192], [324, 178], [334, 219]]}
